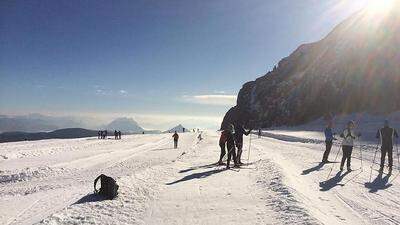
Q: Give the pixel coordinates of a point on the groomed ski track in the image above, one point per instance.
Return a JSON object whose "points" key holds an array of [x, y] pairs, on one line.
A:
{"points": [[50, 182]]}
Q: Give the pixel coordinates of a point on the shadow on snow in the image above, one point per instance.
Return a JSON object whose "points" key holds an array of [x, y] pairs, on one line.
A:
{"points": [[199, 167], [197, 176], [379, 183], [316, 168], [333, 182], [90, 198]]}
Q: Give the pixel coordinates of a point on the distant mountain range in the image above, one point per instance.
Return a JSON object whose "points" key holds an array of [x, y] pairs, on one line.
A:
{"points": [[61, 134], [355, 68], [42, 123]]}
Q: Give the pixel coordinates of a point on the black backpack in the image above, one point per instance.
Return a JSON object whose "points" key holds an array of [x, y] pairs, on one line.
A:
{"points": [[108, 189]]}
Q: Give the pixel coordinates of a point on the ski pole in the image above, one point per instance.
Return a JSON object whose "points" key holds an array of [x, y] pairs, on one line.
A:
{"points": [[398, 157], [337, 155], [248, 155], [373, 162], [362, 168]]}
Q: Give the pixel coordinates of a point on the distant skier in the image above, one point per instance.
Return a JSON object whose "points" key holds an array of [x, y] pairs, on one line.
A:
{"points": [[200, 137], [176, 138], [230, 144], [348, 136], [239, 131], [183, 129], [222, 144], [99, 134], [329, 137], [387, 135], [119, 134], [259, 133], [115, 134]]}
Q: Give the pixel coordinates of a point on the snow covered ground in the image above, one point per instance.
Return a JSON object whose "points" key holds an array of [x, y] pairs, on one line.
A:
{"points": [[51, 182]]}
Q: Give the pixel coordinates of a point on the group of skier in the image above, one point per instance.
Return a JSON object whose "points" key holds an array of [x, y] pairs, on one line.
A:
{"points": [[117, 134], [386, 134], [230, 137], [102, 134]]}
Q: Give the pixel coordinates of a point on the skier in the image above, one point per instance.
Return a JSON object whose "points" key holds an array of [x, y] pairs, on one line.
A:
{"points": [[259, 133], [119, 134], [348, 136], [239, 131], [329, 137], [98, 134], [222, 143], [387, 135], [200, 137], [176, 138], [230, 144], [115, 134]]}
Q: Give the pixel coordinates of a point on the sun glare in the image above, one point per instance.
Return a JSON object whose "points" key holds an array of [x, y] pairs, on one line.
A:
{"points": [[380, 6]]}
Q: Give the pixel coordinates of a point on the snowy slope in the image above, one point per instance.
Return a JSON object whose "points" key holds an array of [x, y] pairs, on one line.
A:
{"points": [[50, 182]]}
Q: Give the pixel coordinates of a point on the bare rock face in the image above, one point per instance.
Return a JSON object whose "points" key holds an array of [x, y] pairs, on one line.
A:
{"points": [[355, 68]]}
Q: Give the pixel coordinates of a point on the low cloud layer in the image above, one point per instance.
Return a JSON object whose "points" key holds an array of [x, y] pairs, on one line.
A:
{"points": [[215, 99]]}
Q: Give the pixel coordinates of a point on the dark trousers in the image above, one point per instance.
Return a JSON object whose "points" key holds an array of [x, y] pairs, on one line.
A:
{"points": [[175, 143], [223, 152], [328, 147], [239, 152], [347, 150], [389, 151], [231, 153]]}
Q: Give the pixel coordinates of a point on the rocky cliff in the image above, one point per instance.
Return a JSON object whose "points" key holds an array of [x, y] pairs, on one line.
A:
{"points": [[355, 68]]}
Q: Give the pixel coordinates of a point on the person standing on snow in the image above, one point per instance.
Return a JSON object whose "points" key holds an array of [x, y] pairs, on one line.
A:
{"points": [[348, 136], [222, 143], [230, 144], [176, 138], [387, 135], [329, 137], [239, 131]]}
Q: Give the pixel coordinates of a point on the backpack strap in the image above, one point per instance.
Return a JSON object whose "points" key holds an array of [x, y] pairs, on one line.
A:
{"points": [[95, 182]]}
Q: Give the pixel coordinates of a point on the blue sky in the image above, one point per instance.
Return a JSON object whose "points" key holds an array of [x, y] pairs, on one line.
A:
{"points": [[162, 62]]}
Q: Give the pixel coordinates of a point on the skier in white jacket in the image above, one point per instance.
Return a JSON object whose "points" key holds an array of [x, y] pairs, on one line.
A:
{"points": [[348, 136]]}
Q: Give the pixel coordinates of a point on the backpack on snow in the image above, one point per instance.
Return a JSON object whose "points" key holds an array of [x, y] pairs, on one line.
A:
{"points": [[109, 187]]}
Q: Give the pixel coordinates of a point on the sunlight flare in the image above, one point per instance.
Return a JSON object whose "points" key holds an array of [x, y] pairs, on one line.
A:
{"points": [[380, 6]]}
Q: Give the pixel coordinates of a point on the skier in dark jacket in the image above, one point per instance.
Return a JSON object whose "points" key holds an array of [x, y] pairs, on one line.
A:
{"points": [[329, 137], [176, 139], [239, 131], [222, 143], [230, 144], [387, 135]]}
